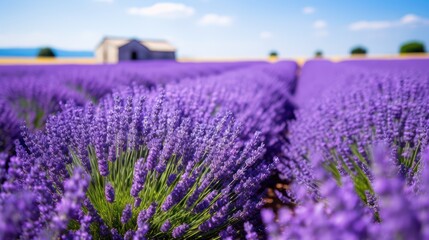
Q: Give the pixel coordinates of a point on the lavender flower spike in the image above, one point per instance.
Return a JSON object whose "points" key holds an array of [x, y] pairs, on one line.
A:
{"points": [[250, 234], [180, 230], [126, 214], [109, 191], [146, 215], [74, 194], [166, 226]]}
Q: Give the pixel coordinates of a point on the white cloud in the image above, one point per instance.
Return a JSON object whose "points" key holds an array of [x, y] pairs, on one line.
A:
{"points": [[164, 10], [265, 35], [369, 25], [407, 20], [308, 10], [410, 18], [320, 24], [215, 20]]}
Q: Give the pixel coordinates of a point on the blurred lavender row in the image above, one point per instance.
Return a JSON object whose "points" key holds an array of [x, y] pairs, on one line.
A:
{"points": [[401, 213]]}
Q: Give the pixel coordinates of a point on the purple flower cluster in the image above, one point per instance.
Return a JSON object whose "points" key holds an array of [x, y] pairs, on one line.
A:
{"points": [[402, 212], [185, 161], [180, 230], [264, 105], [365, 107], [31, 93], [163, 150], [109, 191], [71, 202], [30, 209], [344, 110], [17, 211]]}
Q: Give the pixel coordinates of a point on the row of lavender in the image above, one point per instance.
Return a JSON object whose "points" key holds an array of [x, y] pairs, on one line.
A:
{"points": [[356, 158], [186, 160], [31, 93], [358, 153]]}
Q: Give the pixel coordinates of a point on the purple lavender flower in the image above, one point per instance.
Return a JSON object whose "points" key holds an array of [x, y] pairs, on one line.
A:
{"points": [[109, 191], [180, 230], [271, 227], [126, 214], [166, 226], [189, 130], [250, 234], [75, 190], [146, 215], [397, 207], [115, 234], [352, 109], [141, 231], [229, 233], [139, 177], [206, 202], [171, 179], [34, 92], [84, 231], [3, 170], [129, 235], [103, 166], [137, 202], [339, 214], [18, 212]]}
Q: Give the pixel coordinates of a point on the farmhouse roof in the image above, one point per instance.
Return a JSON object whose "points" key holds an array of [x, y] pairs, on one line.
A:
{"points": [[152, 45]]}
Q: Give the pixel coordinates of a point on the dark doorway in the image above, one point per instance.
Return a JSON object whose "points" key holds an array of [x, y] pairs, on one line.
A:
{"points": [[134, 55]]}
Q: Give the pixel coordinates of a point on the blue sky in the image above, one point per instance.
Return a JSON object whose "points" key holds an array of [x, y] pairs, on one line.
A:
{"points": [[219, 28]]}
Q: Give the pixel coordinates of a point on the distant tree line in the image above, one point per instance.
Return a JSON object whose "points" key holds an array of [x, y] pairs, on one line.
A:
{"points": [[408, 47], [412, 47], [46, 52]]}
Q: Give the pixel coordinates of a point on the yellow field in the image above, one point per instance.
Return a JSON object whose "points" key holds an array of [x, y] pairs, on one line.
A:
{"points": [[31, 61], [299, 60], [302, 60]]}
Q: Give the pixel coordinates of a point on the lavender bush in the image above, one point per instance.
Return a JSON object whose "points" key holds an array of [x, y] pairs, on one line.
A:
{"points": [[31, 93], [340, 214], [344, 124], [162, 164], [165, 150]]}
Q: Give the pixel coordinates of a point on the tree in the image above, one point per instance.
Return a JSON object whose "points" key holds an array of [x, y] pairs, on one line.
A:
{"points": [[46, 52], [318, 54], [412, 47], [358, 50], [274, 54]]}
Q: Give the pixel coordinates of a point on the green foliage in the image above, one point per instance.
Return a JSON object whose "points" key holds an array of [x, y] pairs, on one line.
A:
{"points": [[31, 112], [155, 190], [274, 54], [358, 50], [412, 47], [46, 52], [361, 180]]}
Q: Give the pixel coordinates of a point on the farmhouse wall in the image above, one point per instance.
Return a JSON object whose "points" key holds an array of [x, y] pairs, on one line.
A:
{"points": [[127, 51]]}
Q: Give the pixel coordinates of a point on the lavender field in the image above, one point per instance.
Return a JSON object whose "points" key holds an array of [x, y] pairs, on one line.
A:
{"points": [[215, 150]]}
